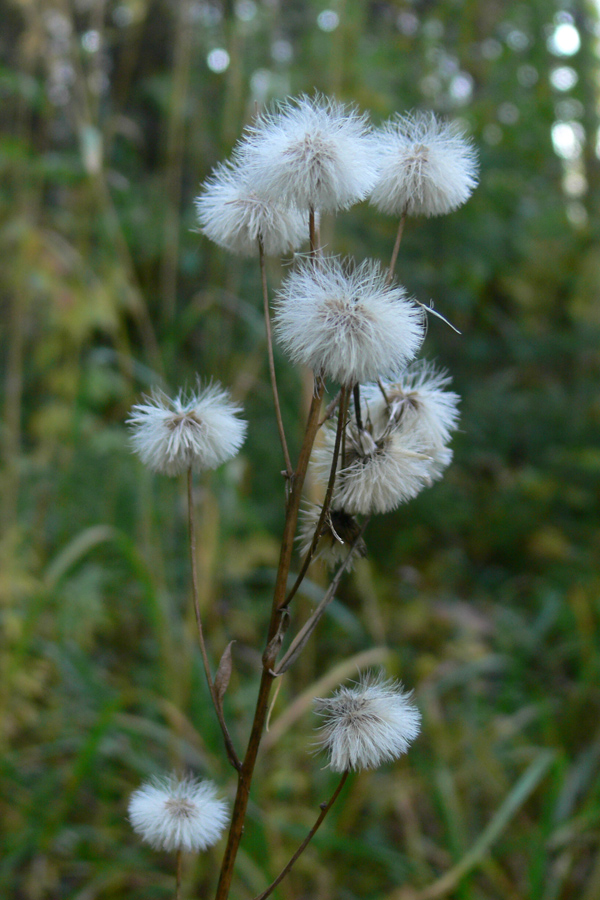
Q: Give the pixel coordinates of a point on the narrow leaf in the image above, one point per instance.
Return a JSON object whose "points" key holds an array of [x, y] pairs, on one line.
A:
{"points": [[223, 673]]}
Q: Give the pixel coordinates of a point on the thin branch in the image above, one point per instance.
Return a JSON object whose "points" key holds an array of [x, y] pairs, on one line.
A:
{"points": [[278, 416], [178, 875], [330, 409], [312, 231], [309, 626], [231, 754], [357, 411], [382, 389], [262, 702], [390, 273], [327, 501], [325, 807]]}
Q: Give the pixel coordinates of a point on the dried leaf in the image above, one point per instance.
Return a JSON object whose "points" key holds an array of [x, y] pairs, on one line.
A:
{"points": [[223, 673]]}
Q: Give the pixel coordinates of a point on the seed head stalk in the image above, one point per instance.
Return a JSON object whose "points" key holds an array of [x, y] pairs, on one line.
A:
{"points": [[274, 639]]}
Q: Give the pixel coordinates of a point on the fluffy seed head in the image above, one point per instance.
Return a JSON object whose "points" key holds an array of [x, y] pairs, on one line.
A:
{"points": [[200, 430], [427, 166], [401, 447], [367, 724], [178, 814], [234, 216], [419, 401], [310, 152], [346, 323]]}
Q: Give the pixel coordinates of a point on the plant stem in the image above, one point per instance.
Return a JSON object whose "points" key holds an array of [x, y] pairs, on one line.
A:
{"points": [[344, 393], [390, 273], [231, 754], [357, 411], [325, 807], [178, 875], [278, 416], [309, 626], [312, 231], [274, 639]]}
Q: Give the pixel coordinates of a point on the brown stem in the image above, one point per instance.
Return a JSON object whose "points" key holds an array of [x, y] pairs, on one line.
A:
{"points": [[344, 393], [309, 626], [357, 410], [325, 807], [262, 703], [390, 273], [178, 875], [278, 416], [231, 754], [312, 231], [331, 409]]}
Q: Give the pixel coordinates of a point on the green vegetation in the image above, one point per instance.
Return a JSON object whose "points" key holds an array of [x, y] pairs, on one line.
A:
{"points": [[483, 593]]}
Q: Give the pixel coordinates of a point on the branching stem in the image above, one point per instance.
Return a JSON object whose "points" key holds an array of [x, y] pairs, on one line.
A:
{"points": [[344, 393], [325, 807], [278, 416], [390, 273], [178, 874], [231, 754], [246, 771]]}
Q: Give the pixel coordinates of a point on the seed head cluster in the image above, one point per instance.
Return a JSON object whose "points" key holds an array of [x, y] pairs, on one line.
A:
{"points": [[200, 430], [235, 216], [346, 323], [178, 814], [427, 167], [368, 724], [313, 153]]}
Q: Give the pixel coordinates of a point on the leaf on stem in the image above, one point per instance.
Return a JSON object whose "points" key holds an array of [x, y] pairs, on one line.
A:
{"points": [[223, 674]]}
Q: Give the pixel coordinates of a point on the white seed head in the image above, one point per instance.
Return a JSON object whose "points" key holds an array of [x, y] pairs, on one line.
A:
{"points": [[346, 323], [368, 724], [200, 430], [311, 152], [178, 814], [417, 400], [234, 216], [427, 166], [338, 534], [394, 470]]}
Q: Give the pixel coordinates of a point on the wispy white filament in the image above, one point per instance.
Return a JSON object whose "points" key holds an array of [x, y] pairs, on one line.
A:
{"points": [[178, 814], [200, 430], [310, 152], [234, 216], [368, 724], [427, 166], [346, 323]]}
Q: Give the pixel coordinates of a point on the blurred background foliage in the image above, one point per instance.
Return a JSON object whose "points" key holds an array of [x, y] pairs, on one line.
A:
{"points": [[482, 593]]}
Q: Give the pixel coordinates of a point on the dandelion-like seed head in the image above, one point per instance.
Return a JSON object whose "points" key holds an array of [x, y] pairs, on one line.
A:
{"points": [[427, 166], [347, 324], [417, 400], [178, 814], [314, 153], [367, 724], [200, 430], [232, 214], [401, 447]]}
